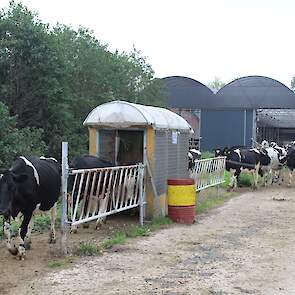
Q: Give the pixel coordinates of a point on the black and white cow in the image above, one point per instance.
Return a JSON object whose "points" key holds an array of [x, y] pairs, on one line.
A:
{"points": [[225, 151], [239, 160], [291, 162], [193, 156], [30, 183], [272, 164]]}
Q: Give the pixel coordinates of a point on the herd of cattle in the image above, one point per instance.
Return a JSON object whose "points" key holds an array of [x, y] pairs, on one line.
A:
{"points": [[267, 160], [34, 183]]}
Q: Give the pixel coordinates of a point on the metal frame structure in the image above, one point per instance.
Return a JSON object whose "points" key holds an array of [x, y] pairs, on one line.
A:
{"points": [[100, 192], [97, 193], [208, 172], [277, 118]]}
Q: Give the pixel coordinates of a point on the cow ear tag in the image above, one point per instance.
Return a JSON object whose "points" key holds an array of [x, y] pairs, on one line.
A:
{"points": [[20, 178]]}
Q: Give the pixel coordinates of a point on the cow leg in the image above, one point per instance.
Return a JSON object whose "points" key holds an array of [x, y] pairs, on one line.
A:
{"points": [[255, 176], [22, 234], [103, 203], [7, 234], [27, 240], [276, 177], [280, 177], [270, 177], [265, 178], [231, 181], [290, 177], [85, 215], [52, 235], [236, 177]]}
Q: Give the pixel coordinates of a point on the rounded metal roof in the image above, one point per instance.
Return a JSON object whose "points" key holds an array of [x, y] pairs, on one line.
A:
{"points": [[123, 114], [184, 92], [255, 92], [250, 92]]}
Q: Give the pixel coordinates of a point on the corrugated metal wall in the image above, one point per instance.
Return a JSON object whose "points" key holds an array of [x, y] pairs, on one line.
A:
{"points": [[170, 159], [220, 128]]}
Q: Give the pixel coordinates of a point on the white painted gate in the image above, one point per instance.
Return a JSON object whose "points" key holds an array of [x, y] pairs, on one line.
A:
{"points": [[208, 172], [97, 193], [92, 194]]}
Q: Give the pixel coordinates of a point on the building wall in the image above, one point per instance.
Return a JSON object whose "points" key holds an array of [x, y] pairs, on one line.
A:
{"points": [[221, 128]]}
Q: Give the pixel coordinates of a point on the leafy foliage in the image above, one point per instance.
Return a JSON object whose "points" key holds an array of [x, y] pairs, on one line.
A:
{"points": [[15, 142], [51, 78], [216, 84]]}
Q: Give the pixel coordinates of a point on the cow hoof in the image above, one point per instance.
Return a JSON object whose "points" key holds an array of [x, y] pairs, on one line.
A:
{"points": [[27, 245], [73, 231], [98, 226], [86, 225], [13, 251], [52, 241], [21, 252]]}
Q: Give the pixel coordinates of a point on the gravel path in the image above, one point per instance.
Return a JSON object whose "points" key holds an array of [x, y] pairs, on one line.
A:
{"points": [[246, 246]]}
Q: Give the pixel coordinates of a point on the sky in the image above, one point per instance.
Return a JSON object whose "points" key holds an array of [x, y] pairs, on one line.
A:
{"points": [[200, 39]]}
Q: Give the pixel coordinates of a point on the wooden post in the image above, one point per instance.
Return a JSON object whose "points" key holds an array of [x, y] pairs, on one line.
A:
{"points": [[64, 187]]}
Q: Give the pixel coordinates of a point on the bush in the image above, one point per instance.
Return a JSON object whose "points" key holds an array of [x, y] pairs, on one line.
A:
{"points": [[15, 142]]}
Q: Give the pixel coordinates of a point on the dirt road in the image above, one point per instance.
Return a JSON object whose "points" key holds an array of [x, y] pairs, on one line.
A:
{"points": [[246, 246]]}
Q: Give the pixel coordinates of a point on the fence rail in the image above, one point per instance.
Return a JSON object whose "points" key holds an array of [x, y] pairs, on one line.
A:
{"points": [[97, 193], [208, 172]]}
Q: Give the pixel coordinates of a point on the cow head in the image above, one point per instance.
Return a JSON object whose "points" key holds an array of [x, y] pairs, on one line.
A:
{"points": [[264, 144], [9, 182], [221, 152], [217, 152], [264, 158]]}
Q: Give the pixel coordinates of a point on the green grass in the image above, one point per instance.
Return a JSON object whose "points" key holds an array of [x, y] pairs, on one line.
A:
{"points": [[210, 199], [14, 227], [87, 249], [120, 237], [60, 263], [136, 231], [246, 180], [41, 223], [207, 155]]}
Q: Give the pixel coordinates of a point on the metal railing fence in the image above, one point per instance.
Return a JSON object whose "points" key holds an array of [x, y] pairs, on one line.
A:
{"points": [[208, 172], [97, 193]]}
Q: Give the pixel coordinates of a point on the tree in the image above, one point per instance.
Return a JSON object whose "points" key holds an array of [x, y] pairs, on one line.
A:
{"points": [[16, 142], [293, 84], [216, 84], [50, 79]]}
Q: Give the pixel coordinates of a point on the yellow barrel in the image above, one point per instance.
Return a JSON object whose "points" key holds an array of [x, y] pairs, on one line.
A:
{"points": [[182, 200]]}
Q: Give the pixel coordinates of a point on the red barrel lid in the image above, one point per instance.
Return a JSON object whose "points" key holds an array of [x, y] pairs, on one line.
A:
{"points": [[181, 181]]}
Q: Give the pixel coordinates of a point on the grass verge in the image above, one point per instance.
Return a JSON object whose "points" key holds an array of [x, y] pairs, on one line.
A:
{"points": [[212, 198], [60, 263], [120, 236]]}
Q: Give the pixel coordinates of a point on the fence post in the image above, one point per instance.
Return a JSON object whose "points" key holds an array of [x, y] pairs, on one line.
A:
{"points": [[64, 188], [141, 195]]}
